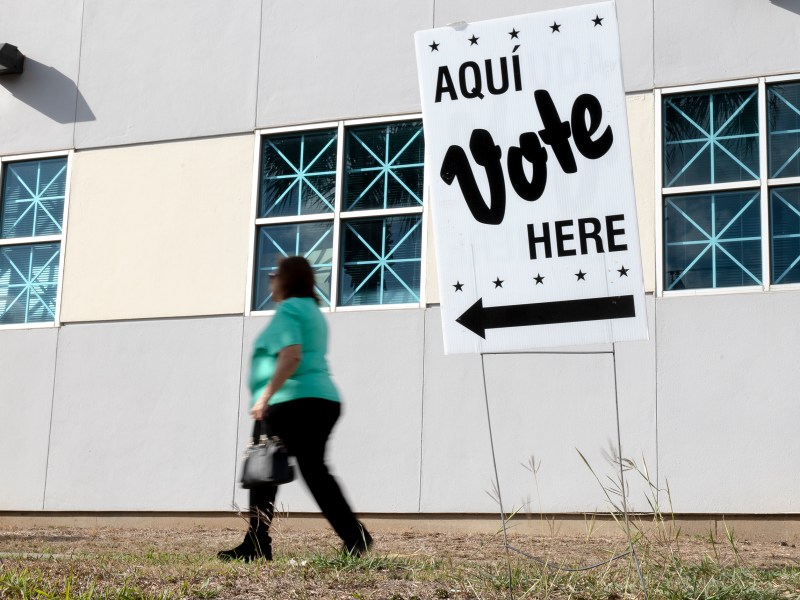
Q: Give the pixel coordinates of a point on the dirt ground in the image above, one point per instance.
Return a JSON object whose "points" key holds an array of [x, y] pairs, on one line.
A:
{"points": [[181, 563], [463, 547]]}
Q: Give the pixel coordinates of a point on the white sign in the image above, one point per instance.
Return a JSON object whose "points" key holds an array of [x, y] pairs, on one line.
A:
{"points": [[528, 161]]}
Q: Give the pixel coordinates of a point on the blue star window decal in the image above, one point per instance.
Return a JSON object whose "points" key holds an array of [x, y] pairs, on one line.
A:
{"points": [[711, 137], [384, 166], [314, 241], [298, 174], [785, 234], [33, 198], [712, 240], [381, 261], [28, 282], [783, 125]]}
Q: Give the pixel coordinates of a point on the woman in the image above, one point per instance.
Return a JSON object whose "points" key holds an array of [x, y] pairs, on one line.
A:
{"points": [[295, 396]]}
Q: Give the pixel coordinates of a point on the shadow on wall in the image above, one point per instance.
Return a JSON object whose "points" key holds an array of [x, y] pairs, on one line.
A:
{"points": [[792, 5], [48, 91]]}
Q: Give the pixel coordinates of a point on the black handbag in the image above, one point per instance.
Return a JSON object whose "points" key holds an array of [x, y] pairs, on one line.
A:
{"points": [[266, 463]]}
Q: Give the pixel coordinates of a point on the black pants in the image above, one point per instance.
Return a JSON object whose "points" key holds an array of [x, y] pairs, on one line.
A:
{"points": [[304, 426]]}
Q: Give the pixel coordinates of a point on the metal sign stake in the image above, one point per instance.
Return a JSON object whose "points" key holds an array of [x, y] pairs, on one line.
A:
{"points": [[508, 548]]}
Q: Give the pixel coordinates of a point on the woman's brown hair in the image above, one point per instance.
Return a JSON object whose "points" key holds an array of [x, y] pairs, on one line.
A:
{"points": [[297, 278]]}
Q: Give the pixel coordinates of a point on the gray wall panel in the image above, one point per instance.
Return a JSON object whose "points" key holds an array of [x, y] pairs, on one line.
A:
{"points": [[376, 361], [727, 402], [542, 405], [144, 416], [27, 361], [456, 458], [329, 60], [724, 39], [154, 70], [636, 382], [548, 407], [38, 106], [635, 28]]}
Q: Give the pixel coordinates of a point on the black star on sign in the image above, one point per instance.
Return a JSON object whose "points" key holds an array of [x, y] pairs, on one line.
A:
{"points": [[434, 46], [580, 275], [498, 283], [458, 285], [473, 41], [539, 279], [555, 27], [514, 34], [597, 21], [623, 271]]}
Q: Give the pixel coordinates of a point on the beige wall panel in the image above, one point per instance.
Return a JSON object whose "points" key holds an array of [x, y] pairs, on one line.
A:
{"points": [[159, 230], [431, 273], [641, 129]]}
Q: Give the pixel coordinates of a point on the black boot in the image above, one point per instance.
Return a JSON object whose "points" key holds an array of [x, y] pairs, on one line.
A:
{"points": [[361, 545], [256, 545]]}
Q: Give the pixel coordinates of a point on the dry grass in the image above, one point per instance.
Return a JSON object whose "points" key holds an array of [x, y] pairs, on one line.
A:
{"points": [[122, 564]]}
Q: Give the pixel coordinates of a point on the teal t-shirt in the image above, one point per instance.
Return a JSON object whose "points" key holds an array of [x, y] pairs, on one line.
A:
{"points": [[297, 321]]}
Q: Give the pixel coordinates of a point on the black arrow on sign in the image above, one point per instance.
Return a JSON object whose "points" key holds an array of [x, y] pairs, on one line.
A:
{"points": [[478, 318]]}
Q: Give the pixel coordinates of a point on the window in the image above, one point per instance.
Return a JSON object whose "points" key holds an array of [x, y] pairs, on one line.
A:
{"points": [[348, 197], [32, 200], [730, 186], [783, 127]]}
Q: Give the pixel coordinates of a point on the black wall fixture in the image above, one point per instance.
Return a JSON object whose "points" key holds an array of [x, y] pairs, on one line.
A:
{"points": [[11, 59]]}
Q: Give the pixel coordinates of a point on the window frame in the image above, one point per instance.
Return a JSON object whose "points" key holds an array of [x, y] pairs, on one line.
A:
{"points": [[763, 184], [61, 239], [338, 216]]}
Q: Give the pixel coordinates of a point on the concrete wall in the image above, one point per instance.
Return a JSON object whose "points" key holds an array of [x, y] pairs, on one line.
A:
{"points": [[152, 415], [715, 40], [329, 60], [154, 70], [210, 68], [144, 415], [727, 401], [27, 372], [39, 108], [544, 407], [101, 74]]}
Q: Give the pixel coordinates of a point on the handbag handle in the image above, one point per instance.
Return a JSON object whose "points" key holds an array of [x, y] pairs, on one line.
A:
{"points": [[262, 437]]}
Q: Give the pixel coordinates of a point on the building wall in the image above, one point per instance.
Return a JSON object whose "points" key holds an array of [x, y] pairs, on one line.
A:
{"points": [[139, 400], [727, 402], [715, 40], [27, 370], [145, 414], [39, 110], [153, 70]]}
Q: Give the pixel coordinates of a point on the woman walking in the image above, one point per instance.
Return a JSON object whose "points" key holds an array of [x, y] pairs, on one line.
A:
{"points": [[293, 393]]}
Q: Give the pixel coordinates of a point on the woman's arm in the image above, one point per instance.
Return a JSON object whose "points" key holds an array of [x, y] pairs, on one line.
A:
{"points": [[288, 361]]}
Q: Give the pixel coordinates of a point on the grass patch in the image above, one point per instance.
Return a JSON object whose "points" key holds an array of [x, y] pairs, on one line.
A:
{"points": [[404, 567]]}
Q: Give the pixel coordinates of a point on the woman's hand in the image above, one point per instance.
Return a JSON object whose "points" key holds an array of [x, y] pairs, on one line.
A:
{"points": [[259, 410]]}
